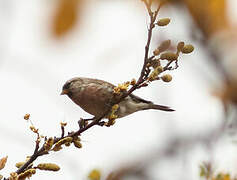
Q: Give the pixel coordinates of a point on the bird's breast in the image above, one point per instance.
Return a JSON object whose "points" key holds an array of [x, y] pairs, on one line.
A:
{"points": [[94, 99]]}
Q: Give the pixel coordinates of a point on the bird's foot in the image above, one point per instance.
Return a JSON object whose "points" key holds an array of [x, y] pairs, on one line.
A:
{"points": [[83, 122], [101, 123]]}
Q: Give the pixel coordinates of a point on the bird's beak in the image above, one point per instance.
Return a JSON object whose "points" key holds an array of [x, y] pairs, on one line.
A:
{"points": [[64, 91]]}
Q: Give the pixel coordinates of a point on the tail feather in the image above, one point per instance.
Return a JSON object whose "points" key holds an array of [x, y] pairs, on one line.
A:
{"points": [[160, 107]]}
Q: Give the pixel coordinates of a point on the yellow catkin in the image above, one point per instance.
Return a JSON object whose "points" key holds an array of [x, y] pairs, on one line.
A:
{"points": [[67, 144], [19, 164], [64, 140], [166, 78], [170, 56], [155, 73], [48, 144], [163, 22], [160, 69], [164, 45], [58, 145], [112, 115], [187, 49], [76, 138], [77, 144], [156, 52], [180, 46], [121, 87], [57, 148], [27, 174], [48, 167], [13, 176]]}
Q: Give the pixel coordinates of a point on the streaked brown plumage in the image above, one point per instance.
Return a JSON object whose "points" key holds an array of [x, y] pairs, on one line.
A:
{"points": [[96, 97]]}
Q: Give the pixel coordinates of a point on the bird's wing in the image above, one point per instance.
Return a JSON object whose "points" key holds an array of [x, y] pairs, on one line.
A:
{"points": [[138, 99], [108, 94]]}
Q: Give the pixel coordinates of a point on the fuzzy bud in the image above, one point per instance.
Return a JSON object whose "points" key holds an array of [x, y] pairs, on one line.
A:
{"points": [[48, 144], [156, 52], [13, 176], [76, 138], [121, 87], [64, 140], [27, 174], [33, 129], [57, 148], [180, 46], [163, 22], [155, 73], [27, 116], [112, 115], [48, 167], [187, 49], [166, 78], [58, 145], [133, 82], [160, 69], [77, 144], [19, 164], [170, 56], [63, 124], [67, 144], [164, 45]]}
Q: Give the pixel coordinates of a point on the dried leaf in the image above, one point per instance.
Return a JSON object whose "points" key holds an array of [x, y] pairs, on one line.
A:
{"points": [[228, 93], [210, 16], [66, 16], [3, 162]]}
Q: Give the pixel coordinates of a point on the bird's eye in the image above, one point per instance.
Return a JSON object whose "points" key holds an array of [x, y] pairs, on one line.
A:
{"points": [[67, 85]]}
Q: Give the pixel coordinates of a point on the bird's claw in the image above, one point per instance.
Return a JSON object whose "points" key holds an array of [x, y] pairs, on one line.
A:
{"points": [[101, 123], [84, 122]]}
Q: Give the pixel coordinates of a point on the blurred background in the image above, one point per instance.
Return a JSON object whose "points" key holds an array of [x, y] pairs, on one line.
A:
{"points": [[44, 43]]}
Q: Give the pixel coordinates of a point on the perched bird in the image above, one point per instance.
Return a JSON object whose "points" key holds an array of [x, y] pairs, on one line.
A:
{"points": [[97, 96]]}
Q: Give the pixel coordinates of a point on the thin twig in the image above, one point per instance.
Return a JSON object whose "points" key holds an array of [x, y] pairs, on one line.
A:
{"points": [[63, 131]]}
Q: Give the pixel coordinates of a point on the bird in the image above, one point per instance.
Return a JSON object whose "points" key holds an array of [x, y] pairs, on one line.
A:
{"points": [[96, 97]]}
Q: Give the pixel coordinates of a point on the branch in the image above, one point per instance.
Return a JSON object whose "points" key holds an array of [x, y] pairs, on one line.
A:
{"points": [[146, 76], [41, 151]]}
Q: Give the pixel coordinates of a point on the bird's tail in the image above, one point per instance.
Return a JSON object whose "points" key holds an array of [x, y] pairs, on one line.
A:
{"points": [[160, 107]]}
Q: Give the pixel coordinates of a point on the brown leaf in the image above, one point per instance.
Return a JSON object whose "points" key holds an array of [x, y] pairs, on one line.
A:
{"points": [[66, 16], [227, 94], [210, 16], [3, 162]]}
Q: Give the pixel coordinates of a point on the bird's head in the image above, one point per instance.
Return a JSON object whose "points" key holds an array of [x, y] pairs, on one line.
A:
{"points": [[70, 86]]}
